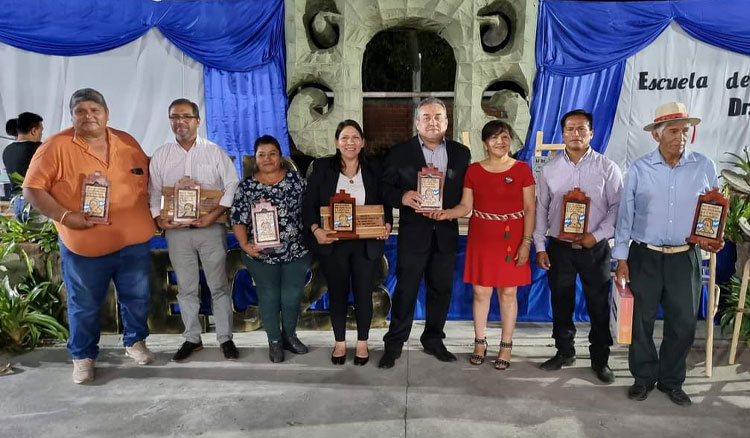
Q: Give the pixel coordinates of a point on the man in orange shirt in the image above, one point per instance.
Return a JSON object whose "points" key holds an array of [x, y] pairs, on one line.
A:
{"points": [[94, 254]]}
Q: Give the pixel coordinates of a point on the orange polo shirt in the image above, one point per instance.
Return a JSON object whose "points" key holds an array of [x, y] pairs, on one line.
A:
{"points": [[59, 167]]}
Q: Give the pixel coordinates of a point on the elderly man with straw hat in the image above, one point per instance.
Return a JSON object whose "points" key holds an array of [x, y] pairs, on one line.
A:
{"points": [[653, 222]]}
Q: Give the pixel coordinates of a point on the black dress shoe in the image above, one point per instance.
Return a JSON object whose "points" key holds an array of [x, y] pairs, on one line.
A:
{"points": [[275, 351], [229, 350], [677, 395], [186, 350], [639, 392], [293, 344], [557, 362], [388, 360], [360, 361], [604, 374], [439, 351], [338, 360]]}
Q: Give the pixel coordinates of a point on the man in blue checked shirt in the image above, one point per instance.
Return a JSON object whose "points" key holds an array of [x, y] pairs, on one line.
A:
{"points": [[654, 220]]}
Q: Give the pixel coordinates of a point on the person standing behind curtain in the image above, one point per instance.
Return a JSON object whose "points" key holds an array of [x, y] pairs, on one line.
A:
{"points": [[27, 129], [279, 273], [346, 262], [500, 192], [201, 244]]}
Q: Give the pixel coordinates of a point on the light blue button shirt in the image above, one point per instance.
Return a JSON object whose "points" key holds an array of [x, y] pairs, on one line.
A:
{"points": [[658, 202]]}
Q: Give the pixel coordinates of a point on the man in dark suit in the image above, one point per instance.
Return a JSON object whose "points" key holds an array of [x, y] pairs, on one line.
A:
{"points": [[425, 247]]}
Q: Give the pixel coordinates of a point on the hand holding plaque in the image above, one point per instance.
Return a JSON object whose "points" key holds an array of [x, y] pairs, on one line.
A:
{"points": [[430, 188], [187, 195], [95, 198], [574, 215], [709, 220], [265, 219]]}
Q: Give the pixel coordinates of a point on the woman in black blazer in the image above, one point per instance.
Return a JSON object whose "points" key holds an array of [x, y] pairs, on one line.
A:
{"points": [[345, 262]]}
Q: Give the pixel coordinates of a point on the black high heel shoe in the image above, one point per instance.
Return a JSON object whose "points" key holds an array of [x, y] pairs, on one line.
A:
{"points": [[338, 360], [361, 360]]}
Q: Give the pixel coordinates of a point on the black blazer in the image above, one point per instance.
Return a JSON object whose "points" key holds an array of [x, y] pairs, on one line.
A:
{"points": [[400, 170], [321, 185]]}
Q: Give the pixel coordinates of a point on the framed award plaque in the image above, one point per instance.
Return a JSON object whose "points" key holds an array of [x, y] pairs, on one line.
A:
{"points": [[343, 220], [265, 219], [187, 195], [430, 188], [574, 214], [710, 217], [370, 220], [95, 198]]}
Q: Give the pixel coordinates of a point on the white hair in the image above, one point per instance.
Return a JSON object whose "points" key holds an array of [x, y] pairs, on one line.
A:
{"points": [[660, 127]]}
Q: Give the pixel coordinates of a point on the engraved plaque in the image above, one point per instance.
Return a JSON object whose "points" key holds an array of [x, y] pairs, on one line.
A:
{"points": [[370, 220], [95, 198], [710, 217], [265, 219], [430, 188], [187, 195], [574, 215], [343, 215]]}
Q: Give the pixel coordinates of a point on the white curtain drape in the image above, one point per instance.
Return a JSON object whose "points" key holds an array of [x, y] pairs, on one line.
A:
{"points": [[138, 80], [674, 54]]}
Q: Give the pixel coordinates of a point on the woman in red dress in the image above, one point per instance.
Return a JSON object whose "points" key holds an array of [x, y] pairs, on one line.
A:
{"points": [[500, 192]]}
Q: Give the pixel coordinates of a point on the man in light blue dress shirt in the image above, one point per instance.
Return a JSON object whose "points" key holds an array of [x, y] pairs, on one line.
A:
{"points": [[654, 220]]}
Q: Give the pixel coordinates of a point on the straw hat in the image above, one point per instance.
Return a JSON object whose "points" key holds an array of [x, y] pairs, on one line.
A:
{"points": [[670, 112]]}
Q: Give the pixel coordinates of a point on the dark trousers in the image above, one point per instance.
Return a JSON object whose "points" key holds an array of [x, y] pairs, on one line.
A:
{"points": [[437, 268], [674, 281], [347, 267], [593, 266]]}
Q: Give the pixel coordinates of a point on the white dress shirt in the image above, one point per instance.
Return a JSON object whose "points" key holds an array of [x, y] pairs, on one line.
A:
{"points": [[205, 162]]}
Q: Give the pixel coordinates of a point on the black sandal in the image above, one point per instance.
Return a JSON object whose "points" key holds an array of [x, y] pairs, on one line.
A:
{"points": [[478, 359], [501, 364]]}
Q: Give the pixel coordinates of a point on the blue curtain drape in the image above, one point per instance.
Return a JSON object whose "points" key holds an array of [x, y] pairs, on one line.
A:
{"points": [[239, 42], [581, 50]]}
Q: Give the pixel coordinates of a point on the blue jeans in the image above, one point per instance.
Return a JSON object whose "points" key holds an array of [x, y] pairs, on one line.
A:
{"points": [[87, 282]]}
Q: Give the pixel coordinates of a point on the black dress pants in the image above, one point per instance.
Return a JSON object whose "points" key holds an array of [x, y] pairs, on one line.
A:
{"points": [[674, 281], [437, 268], [347, 267], [593, 267]]}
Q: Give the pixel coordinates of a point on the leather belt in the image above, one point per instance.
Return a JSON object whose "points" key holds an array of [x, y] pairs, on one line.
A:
{"points": [[566, 243], [667, 249]]}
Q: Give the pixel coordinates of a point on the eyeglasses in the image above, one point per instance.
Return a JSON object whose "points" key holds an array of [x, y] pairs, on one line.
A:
{"points": [[428, 119], [178, 117]]}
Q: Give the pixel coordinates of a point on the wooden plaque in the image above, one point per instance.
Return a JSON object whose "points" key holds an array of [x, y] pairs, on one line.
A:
{"points": [[574, 214], [710, 217], [343, 218], [370, 220], [187, 195], [265, 219], [95, 198], [430, 188], [209, 200]]}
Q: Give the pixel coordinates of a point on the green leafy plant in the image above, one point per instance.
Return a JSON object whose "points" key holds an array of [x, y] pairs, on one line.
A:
{"points": [[739, 207], [728, 311], [29, 310]]}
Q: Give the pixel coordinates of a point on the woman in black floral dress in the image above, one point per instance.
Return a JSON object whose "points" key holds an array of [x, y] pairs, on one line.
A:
{"points": [[279, 272]]}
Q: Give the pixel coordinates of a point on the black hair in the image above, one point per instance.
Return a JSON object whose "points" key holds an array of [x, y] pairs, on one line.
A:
{"points": [[26, 122], [494, 127], [578, 112], [183, 101], [338, 162], [266, 139], [84, 95], [11, 127]]}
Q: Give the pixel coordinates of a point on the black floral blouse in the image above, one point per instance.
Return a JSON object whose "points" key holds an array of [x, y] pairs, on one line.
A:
{"points": [[286, 195]]}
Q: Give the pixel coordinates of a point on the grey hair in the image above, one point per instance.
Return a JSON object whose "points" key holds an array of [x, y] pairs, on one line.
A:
{"points": [[429, 101], [660, 127], [86, 94]]}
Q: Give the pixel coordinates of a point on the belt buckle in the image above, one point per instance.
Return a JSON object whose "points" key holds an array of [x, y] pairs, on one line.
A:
{"points": [[576, 246]]}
